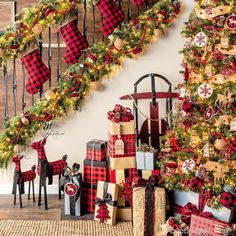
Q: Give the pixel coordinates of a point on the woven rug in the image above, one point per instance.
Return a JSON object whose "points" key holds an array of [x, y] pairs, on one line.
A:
{"points": [[62, 228]]}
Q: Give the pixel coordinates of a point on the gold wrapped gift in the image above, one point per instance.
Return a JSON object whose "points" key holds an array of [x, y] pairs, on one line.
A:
{"points": [[121, 128], [141, 223], [124, 213]]}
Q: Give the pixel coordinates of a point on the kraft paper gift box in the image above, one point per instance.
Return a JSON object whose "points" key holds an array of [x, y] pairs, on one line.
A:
{"points": [[149, 209], [182, 198], [95, 170], [120, 177], [96, 150], [89, 197], [106, 202], [207, 226], [122, 138], [145, 160], [124, 213]]}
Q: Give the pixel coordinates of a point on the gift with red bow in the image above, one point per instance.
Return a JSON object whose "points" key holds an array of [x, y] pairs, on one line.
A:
{"points": [[149, 207], [121, 138], [106, 203]]}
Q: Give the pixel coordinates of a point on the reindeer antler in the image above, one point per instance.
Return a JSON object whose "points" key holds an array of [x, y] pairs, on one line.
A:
{"points": [[49, 131]]}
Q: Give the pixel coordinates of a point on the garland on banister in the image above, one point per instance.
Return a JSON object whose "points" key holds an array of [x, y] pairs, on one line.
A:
{"points": [[103, 59]]}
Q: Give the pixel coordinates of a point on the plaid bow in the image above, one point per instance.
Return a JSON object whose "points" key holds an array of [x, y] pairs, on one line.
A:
{"points": [[228, 200]]}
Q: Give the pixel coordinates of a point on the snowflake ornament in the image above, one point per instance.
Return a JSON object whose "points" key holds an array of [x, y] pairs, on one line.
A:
{"points": [[205, 91], [188, 165], [200, 39]]}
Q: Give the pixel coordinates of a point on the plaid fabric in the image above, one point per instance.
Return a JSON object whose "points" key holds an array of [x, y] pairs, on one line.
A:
{"points": [[112, 16], [38, 73], [138, 2], [89, 197], [129, 145], [94, 173], [58, 167], [39, 147], [28, 175], [74, 40], [96, 155], [205, 226]]}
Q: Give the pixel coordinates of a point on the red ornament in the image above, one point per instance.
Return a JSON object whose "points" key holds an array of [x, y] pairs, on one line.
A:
{"points": [[134, 22], [233, 65], [187, 106], [49, 11], [70, 189], [137, 50], [195, 183], [22, 26], [92, 57], [208, 113], [15, 47], [231, 22]]}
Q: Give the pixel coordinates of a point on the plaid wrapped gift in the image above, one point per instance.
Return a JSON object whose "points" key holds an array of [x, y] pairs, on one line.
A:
{"points": [[89, 197], [206, 226], [149, 207], [106, 202], [96, 150], [94, 171]]}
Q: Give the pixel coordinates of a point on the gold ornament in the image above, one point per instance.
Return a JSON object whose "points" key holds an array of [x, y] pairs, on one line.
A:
{"points": [[17, 149], [224, 42], [233, 124], [50, 95], [219, 144], [209, 70], [96, 85], [157, 33], [25, 120], [119, 43], [1, 52], [37, 29], [194, 140]]}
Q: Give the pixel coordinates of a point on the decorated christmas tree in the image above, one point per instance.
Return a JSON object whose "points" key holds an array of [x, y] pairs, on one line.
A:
{"points": [[199, 153]]}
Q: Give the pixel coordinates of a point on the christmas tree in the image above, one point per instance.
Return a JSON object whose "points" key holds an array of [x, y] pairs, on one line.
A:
{"points": [[103, 213], [199, 153]]}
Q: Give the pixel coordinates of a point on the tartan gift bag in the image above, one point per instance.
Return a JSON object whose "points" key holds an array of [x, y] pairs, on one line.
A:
{"points": [[74, 40], [122, 138], [38, 73], [112, 16]]}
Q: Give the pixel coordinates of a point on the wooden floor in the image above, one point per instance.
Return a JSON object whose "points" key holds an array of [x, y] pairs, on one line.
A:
{"points": [[31, 211]]}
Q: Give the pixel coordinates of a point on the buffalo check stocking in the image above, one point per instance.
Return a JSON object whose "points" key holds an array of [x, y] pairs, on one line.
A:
{"points": [[74, 40], [112, 16], [38, 73]]}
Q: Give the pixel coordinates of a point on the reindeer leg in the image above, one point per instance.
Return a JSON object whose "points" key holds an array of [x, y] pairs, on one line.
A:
{"points": [[40, 191], [45, 197], [59, 189], [15, 198], [33, 190], [19, 188], [29, 191]]}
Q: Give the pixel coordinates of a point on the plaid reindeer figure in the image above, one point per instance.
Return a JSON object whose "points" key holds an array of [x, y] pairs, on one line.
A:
{"points": [[20, 178], [47, 169]]}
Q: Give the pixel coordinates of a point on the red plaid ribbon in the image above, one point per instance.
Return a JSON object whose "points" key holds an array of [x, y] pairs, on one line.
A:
{"points": [[120, 114]]}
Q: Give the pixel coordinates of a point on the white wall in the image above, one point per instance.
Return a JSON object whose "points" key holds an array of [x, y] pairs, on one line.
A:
{"points": [[162, 57]]}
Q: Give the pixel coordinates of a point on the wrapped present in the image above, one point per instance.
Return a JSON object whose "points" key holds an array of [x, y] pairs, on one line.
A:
{"points": [[199, 201], [124, 213], [96, 150], [124, 179], [146, 157], [71, 183], [89, 197], [95, 170], [149, 207], [106, 202], [207, 226], [122, 138]]}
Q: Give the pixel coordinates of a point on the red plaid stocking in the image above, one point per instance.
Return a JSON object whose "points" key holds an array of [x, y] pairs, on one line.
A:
{"points": [[75, 42], [112, 15], [38, 73]]}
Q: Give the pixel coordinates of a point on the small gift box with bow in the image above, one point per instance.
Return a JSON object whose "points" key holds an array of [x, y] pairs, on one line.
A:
{"points": [[71, 183], [106, 203], [200, 225], [149, 207], [146, 157], [96, 150], [121, 138]]}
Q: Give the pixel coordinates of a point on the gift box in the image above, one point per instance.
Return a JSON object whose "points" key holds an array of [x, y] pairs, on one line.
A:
{"points": [[71, 184], [89, 197], [95, 170], [149, 207], [206, 226], [183, 198], [146, 158], [106, 202], [125, 177], [124, 213], [96, 150], [121, 138]]}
